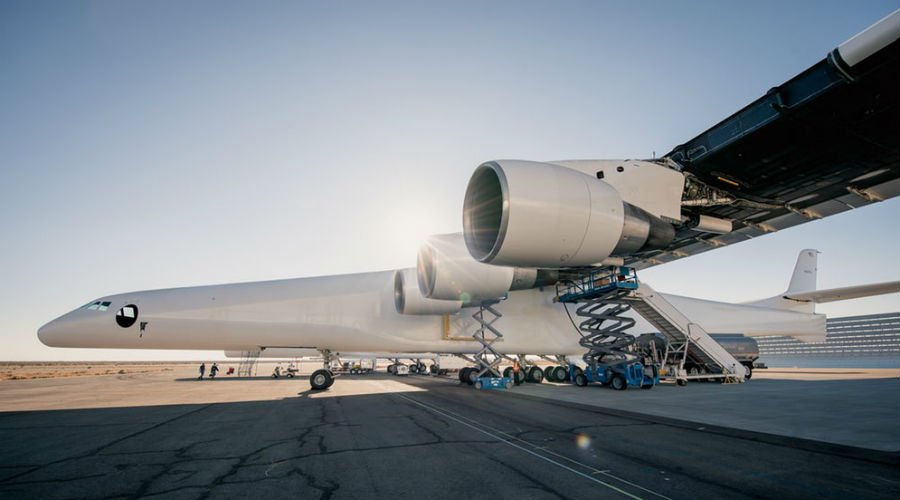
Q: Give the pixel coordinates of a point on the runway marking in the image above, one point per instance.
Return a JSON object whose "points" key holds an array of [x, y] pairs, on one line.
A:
{"points": [[459, 418]]}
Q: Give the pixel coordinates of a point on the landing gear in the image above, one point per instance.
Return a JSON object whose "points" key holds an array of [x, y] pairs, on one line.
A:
{"points": [[468, 375], [559, 374], [321, 379], [535, 375], [324, 378]]}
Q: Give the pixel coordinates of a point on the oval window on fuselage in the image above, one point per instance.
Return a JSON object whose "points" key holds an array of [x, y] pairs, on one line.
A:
{"points": [[127, 315]]}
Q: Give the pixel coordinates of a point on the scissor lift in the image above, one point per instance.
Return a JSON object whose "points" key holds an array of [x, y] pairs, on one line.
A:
{"points": [[600, 295]]}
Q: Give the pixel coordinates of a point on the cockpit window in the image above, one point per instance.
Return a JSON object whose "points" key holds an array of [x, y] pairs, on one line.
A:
{"points": [[127, 315], [96, 306]]}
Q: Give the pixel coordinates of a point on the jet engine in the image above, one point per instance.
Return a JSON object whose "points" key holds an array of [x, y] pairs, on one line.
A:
{"points": [[524, 213], [409, 300], [447, 271]]}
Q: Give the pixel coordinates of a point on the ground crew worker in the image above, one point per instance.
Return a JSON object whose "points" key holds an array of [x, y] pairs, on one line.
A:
{"points": [[516, 372], [202, 371]]}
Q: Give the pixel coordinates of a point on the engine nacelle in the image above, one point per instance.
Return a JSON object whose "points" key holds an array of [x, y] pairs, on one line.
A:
{"points": [[409, 300], [446, 271], [524, 213]]}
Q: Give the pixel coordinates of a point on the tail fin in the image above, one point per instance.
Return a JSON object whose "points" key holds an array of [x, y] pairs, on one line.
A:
{"points": [[803, 280], [804, 277]]}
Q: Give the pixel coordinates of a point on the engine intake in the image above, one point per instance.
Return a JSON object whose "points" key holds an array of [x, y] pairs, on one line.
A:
{"points": [[446, 271], [409, 300], [532, 214]]}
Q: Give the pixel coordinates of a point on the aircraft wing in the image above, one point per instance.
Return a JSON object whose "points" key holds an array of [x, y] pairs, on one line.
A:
{"points": [[846, 293], [825, 141]]}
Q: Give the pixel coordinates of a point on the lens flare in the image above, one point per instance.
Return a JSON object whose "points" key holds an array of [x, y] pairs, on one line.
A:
{"points": [[583, 441]]}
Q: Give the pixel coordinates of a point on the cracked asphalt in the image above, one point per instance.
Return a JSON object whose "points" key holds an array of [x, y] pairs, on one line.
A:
{"points": [[380, 436]]}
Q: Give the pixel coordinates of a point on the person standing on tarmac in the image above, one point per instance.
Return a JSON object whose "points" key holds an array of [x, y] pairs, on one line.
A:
{"points": [[213, 370], [202, 371], [516, 372]]}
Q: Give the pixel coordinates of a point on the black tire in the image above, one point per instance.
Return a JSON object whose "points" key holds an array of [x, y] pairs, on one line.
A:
{"points": [[519, 377], [433, 369], [618, 383], [507, 372], [463, 374], [422, 368], [560, 374], [749, 374], [390, 369], [548, 373], [535, 375], [413, 368], [580, 380], [321, 380]]}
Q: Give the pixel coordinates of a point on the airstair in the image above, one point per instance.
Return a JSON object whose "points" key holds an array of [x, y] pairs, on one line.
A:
{"points": [[247, 368], [687, 342]]}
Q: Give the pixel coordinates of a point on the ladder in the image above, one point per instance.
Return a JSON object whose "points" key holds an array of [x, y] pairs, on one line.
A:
{"points": [[684, 337], [247, 368]]}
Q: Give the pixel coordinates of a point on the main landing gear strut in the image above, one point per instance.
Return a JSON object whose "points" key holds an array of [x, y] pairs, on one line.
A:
{"points": [[324, 378]]}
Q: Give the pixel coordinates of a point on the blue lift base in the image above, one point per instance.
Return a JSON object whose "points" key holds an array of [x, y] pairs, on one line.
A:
{"points": [[617, 376], [493, 383]]}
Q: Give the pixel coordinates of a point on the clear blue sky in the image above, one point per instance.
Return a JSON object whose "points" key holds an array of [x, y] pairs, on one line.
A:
{"points": [[159, 144]]}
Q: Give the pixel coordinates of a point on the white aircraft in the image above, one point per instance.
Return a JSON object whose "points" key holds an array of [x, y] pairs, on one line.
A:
{"points": [[821, 143]]}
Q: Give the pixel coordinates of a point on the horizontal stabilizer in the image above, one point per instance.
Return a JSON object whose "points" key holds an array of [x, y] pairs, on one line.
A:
{"points": [[845, 293]]}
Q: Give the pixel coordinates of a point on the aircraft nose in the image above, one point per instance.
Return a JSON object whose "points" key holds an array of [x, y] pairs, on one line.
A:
{"points": [[49, 334]]}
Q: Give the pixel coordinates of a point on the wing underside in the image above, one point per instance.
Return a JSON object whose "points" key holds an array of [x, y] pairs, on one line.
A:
{"points": [[824, 142]]}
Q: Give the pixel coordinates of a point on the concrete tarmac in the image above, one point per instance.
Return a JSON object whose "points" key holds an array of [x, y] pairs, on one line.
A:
{"points": [[168, 435]]}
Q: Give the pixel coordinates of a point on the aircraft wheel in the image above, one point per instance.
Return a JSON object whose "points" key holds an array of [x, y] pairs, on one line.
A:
{"points": [[535, 375], [519, 377], [559, 374], [618, 383], [422, 368], [390, 369], [462, 374], [548, 372], [580, 380], [507, 372], [413, 368], [321, 379]]}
